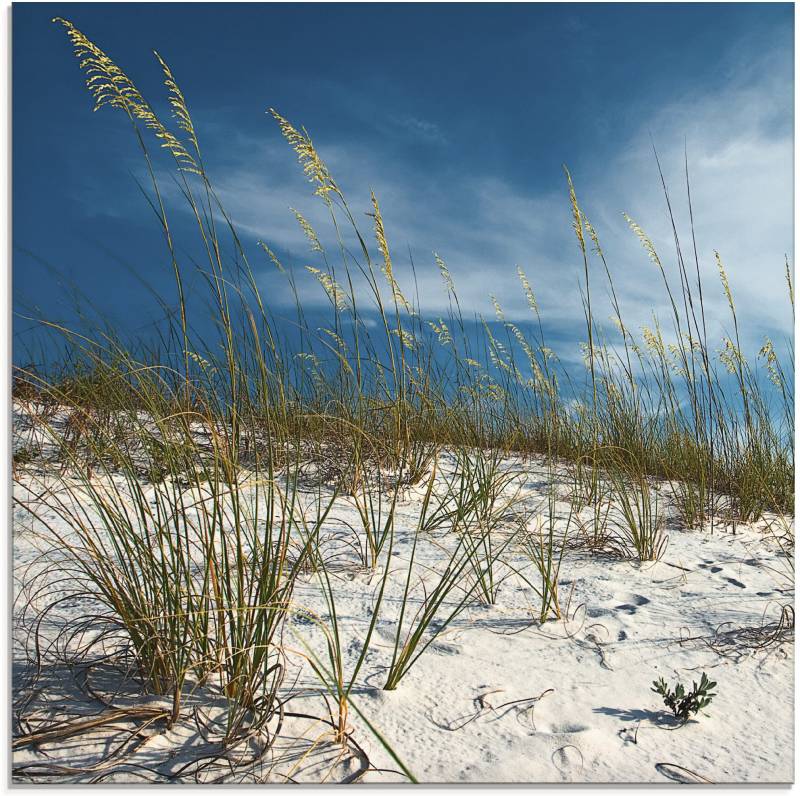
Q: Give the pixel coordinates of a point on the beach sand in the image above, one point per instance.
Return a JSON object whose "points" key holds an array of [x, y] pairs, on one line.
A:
{"points": [[497, 696]]}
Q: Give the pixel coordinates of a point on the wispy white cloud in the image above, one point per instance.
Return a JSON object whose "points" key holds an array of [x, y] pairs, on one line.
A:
{"points": [[422, 129], [740, 152]]}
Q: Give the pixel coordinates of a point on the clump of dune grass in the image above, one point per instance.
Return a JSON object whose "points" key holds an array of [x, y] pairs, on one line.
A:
{"points": [[543, 547], [638, 518], [192, 572], [470, 558], [479, 503]]}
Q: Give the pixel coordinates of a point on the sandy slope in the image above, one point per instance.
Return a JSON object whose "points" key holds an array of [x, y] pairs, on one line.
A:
{"points": [[581, 708]]}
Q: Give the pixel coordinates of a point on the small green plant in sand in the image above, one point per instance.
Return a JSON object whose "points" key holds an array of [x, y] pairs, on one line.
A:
{"points": [[683, 705]]}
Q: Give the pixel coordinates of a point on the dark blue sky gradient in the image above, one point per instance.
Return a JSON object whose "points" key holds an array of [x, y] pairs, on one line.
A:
{"points": [[505, 91]]}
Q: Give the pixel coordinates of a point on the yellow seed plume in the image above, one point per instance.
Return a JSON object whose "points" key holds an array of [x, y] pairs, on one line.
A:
{"points": [[618, 323], [443, 270], [383, 247], [593, 235], [590, 353], [653, 340], [498, 354], [109, 85], [526, 286], [498, 310], [180, 109], [313, 167], [730, 356], [203, 363], [577, 222], [316, 246], [336, 338], [645, 240], [768, 352], [406, 338], [332, 288], [272, 256], [308, 356], [538, 377], [724, 279], [441, 331]]}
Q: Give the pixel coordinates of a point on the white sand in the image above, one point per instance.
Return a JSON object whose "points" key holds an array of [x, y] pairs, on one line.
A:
{"points": [[596, 719]]}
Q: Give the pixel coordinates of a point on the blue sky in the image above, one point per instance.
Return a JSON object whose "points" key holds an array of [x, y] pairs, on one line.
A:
{"points": [[458, 116]]}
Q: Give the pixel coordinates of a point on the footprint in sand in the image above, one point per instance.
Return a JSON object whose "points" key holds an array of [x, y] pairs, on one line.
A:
{"points": [[566, 728], [736, 583], [632, 607], [568, 760], [636, 602], [443, 648], [546, 720], [716, 569]]}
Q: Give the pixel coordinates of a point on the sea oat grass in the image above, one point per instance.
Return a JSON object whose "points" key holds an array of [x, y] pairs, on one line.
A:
{"points": [[199, 475]]}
